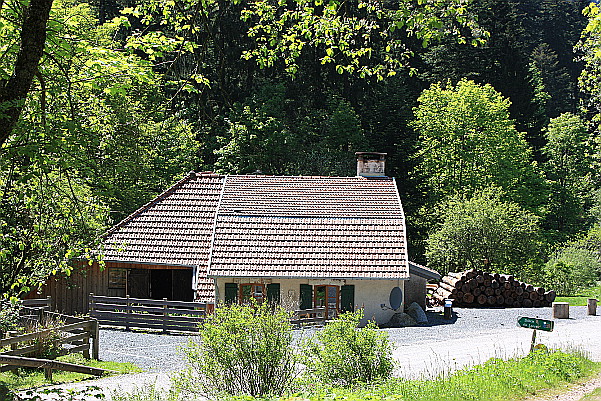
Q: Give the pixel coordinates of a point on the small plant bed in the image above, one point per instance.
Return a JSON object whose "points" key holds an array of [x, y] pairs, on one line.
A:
{"points": [[30, 378]]}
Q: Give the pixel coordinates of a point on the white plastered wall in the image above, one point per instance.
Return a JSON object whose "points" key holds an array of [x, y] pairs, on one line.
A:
{"points": [[369, 294]]}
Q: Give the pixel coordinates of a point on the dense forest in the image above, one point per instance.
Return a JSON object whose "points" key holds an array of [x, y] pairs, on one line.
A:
{"points": [[489, 112]]}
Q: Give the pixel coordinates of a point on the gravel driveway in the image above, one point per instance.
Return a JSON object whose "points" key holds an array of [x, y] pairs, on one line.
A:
{"points": [[471, 337], [154, 352]]}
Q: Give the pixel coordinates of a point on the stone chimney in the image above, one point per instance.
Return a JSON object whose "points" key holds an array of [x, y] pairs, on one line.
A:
{"points": [[371, 164]]}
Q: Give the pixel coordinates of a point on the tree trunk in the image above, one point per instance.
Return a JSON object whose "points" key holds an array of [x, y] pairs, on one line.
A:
{"points": [[13, 92]]}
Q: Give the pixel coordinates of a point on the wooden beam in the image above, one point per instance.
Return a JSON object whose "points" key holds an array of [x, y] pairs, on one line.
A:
{"points": [[50, 364]]}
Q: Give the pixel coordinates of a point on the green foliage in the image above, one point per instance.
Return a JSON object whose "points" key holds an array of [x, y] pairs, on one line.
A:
{"points": [[9, 316], [467, 142], [48, 344], [73, 394], [581, 299], [495, 380], [483, 231], [571, 269], [147, 393], [242, 350], [344, 354], [261, 136], [590, 47], [340, 35], [569, 170], [92, 138]]}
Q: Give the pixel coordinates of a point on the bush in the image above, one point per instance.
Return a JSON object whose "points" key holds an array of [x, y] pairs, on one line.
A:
{"points": [[571, 269], [343, 353], [242, 350], [9, 316], [483, 232]]}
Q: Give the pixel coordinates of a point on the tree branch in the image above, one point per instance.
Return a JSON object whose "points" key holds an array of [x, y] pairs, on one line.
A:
{"points": [[14, 92]]}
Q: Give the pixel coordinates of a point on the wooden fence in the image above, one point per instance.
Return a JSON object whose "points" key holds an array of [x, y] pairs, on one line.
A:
{"points": [[75, 335], [148, 313]]}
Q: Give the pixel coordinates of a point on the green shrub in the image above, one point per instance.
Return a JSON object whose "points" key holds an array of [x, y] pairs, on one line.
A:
{"points": [[571, 269], [242, 350], [346, 354], [9, 316]]}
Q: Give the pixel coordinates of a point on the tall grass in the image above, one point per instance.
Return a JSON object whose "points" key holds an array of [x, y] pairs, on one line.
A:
{"points": [[494, 380]]}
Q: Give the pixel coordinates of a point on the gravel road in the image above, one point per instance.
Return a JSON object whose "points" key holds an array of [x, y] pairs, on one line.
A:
{"points": [[471, 337]]}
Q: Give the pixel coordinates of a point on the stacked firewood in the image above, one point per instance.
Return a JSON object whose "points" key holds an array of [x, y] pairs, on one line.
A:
{"points": [[477, 288]]}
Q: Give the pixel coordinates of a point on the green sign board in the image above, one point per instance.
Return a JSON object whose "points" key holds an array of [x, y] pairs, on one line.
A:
{"points": [[537, 324]]}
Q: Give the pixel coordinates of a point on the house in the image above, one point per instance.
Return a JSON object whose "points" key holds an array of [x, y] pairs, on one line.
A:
{"points": [[333, 242]]}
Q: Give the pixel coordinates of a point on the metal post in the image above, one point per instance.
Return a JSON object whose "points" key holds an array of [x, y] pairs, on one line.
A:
{"points": [[448, 309], [533, 342]]}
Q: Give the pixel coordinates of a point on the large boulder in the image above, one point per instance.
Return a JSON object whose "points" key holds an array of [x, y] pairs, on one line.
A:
{"points": [[417, 313], [400, 319]]}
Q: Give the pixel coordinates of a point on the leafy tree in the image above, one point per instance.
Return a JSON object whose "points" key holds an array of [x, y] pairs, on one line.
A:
{"points": [[569, 169], [521, 32], [88, 131], [340, 34], [23, 59], [483, 231], [262, 136], [590, 46], [467, 142]]}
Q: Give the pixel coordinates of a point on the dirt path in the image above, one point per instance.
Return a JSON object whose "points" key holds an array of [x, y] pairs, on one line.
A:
{"points": [[571, 392]]}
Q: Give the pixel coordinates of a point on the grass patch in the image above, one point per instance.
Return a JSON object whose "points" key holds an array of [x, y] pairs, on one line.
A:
{"points": [[582, 297], [494, 380], [31, 377]]}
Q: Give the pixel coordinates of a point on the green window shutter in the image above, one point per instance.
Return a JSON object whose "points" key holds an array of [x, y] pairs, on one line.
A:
{"points": [[273, 293], [347, 298], [231, 293], [306, 296]]}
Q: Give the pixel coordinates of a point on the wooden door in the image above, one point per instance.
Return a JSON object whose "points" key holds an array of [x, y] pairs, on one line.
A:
{"points": [[138, 283]]}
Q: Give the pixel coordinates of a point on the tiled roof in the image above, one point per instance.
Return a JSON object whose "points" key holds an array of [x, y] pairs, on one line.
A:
{"points": [[265, 226], [174, 229], [309, 227], [423, 271]]}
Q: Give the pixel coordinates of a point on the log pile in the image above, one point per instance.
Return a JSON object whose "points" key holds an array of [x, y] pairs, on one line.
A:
{"points": [[476, 288]]}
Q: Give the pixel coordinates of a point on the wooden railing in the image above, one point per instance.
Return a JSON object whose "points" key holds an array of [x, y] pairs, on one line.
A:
{"points": [[75, 335], [306, 317], [148, 313], [42, 303]]}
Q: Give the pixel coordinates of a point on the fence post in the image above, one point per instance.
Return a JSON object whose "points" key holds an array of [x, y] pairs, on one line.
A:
{"points": [[127, 312], [95, 339], [165, 315], [12, 333], [91, 306], [48, 374]]}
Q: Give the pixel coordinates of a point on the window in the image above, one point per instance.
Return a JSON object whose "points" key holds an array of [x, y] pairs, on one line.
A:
{"points": [[327, 296], [255, 291]]}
